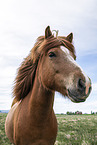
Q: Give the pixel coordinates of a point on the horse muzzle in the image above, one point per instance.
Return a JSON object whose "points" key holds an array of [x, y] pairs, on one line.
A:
{"points": [[81, 91]]}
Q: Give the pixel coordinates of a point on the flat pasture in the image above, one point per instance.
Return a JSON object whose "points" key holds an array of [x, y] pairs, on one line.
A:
{"points": [[72, 130], [77, 130]]}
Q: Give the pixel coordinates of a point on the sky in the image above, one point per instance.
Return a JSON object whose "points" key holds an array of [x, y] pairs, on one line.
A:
{"points": [[22, 21]]}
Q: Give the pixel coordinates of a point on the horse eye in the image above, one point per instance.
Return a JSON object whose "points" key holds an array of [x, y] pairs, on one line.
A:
{"points": [[52, 54]]}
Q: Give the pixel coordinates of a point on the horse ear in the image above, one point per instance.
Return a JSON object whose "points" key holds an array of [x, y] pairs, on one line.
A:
{"points": [[70, 37], [48, 32]]}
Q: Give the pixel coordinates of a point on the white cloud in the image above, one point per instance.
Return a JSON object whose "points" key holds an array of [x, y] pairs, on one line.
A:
{"points": [[21, 22], [94, 85]]}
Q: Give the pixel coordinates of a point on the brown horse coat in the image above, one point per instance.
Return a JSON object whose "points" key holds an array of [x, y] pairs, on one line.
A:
{"points": [[31, 120]]}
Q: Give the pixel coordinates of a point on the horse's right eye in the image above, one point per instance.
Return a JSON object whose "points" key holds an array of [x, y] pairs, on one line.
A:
{"points": [[52, 54]]}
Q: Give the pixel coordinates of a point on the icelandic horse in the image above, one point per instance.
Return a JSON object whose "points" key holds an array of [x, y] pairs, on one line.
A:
{"points": [[49, 67]]}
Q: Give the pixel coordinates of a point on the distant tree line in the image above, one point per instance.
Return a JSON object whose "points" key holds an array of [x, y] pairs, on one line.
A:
{"points": [[93, 112], [78, 113], [74, 113]]}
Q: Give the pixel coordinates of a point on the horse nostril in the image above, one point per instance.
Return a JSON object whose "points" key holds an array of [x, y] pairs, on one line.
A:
{"points": [[90, 88], [81, 85]]}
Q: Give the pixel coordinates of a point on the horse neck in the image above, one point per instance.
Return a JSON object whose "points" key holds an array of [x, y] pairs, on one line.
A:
{"points": [[41, 100]]}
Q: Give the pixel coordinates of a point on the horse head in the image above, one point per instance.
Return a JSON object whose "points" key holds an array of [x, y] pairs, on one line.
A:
{"points": [[58, 69]]}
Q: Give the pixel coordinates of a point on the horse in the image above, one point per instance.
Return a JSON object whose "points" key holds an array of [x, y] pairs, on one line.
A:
{"points": [[49, 67]]}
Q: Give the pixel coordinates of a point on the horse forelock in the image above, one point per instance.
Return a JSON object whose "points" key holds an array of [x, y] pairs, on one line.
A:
{"points": [[44, 45], [26, 72]]}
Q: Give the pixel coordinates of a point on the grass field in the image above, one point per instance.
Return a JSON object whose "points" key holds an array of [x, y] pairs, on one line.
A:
{"points": [[72, 130]]}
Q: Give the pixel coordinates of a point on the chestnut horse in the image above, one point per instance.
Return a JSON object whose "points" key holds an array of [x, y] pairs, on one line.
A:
{"points": [[49, 67]]}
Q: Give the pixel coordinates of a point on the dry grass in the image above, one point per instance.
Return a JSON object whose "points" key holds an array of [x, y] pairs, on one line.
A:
{"points": [[77, 130], [73, 130]]}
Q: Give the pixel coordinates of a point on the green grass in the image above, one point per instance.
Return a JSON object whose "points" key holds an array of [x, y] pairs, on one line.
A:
{"points": [[3, 139], [77, 130], [72, 130]]}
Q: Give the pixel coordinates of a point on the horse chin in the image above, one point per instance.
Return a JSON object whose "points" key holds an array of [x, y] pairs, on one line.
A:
{"points": [[75, 98]]}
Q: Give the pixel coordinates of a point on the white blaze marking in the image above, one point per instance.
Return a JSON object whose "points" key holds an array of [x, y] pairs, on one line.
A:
{"points": [[70, 58], [65, 50]]}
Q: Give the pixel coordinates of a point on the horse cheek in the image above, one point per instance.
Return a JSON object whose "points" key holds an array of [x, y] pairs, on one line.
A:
{"points": [[47, 74]]}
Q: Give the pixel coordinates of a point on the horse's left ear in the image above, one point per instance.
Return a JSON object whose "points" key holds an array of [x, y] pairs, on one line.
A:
{"points": [[48, 32], [70, 37]]}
